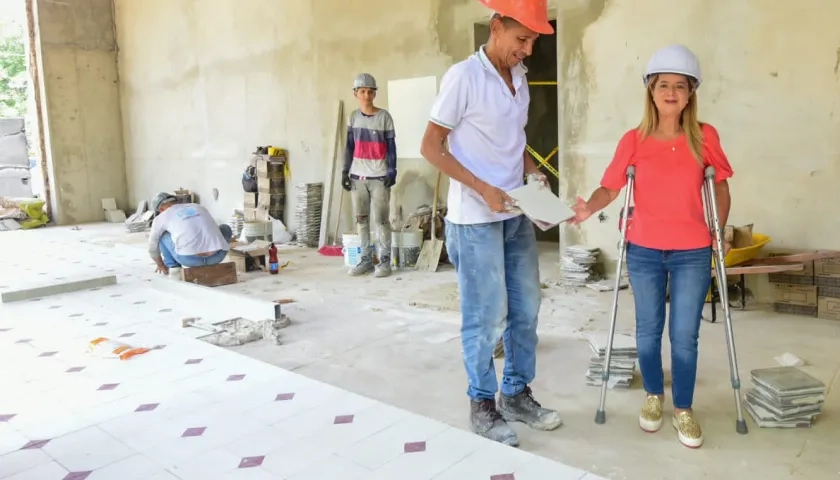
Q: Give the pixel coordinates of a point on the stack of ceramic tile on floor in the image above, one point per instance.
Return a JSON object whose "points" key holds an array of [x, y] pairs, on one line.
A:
{"points": [[784, 397], [622, 361], [309, 198], [577, 265]]}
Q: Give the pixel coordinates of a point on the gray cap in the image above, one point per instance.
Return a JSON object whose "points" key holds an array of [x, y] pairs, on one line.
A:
{"points": [[364, 80], [161, 199]]}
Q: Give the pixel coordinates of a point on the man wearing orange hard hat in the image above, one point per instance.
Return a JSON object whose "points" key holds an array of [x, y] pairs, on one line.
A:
{"points": [[482, 110]]}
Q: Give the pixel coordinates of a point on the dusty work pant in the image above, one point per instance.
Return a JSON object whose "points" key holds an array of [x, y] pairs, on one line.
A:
{"points": [[371, 196], [499, 280], [172, 260], [689, 272]]}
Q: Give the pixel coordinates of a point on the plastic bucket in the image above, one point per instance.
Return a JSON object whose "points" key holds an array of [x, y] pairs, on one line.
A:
{"points": [[409, 247], [352, 249]]}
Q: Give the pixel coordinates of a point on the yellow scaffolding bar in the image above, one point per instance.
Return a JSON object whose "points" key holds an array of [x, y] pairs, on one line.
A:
{"points": [[542, 83], [544, 161]]}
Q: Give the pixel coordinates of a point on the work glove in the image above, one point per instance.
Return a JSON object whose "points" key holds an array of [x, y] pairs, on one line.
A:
{"points": [[391, 178], [345, 181]]}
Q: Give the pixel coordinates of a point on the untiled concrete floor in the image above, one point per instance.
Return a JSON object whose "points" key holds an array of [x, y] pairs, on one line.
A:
{"points": [[396, 340]]}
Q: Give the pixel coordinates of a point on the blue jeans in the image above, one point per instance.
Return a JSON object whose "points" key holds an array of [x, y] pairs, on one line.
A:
{"points": [[173, 260], [689, 272], [499, 281]]}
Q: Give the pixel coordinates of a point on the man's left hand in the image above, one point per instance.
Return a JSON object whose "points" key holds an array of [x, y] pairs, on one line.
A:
{"points": [[162, 269], [390, 179]]}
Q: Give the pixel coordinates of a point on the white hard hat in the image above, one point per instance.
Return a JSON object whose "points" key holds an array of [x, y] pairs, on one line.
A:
{"points": [[162, 199], [364, 80], [674, 59]]}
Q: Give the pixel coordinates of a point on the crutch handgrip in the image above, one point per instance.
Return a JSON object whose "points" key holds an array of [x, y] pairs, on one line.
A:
{"points": [[710, 172], [631, 171]]}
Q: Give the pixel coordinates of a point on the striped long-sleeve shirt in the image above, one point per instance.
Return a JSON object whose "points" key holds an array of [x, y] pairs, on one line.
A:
{"points": [[371, 151]]}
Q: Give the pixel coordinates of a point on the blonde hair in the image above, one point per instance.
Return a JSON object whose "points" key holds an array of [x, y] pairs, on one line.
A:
{"points": [[688, 119]]}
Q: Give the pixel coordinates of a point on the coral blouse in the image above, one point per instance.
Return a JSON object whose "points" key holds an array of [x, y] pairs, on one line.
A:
{"points": [[668, 195]]}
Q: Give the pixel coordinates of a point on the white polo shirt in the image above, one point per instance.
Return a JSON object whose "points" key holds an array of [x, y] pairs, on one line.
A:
{"points": [[488, 132]]}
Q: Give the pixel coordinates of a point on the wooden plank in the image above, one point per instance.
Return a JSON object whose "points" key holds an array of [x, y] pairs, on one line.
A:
{"points": [[211, 275], [796, 257], [329, 184], [762, 269]]}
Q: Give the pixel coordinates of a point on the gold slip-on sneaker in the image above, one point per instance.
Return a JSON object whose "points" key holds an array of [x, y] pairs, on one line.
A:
{"points": [[688, 430], [650, 418]]}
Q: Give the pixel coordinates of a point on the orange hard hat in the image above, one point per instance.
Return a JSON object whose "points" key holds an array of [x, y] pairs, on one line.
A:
{"points": [[530, 13]]}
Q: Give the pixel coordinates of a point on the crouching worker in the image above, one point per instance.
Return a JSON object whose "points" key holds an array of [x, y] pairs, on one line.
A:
{"points": [[185, 235]]}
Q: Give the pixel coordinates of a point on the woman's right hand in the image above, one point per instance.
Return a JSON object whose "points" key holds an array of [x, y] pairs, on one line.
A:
{"points": [[582, 211]]}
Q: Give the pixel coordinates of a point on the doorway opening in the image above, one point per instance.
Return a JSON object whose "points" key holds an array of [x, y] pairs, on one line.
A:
{"points": [[542, 130]]}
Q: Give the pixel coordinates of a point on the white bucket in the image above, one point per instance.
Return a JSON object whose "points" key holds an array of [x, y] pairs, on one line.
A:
{"points": [[410, 243], [352, 250]]}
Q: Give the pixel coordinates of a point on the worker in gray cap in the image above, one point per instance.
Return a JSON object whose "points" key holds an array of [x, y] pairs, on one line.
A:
{"points": [[370, 170], [185, 235]]}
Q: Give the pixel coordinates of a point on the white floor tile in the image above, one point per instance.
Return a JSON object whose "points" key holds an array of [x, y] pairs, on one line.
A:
{"points": [[10, 439], [46, 471], [204, 465], [135, 467], [332, 466], [442, 452], [87, 449], [388, 444], [22, 460], [542, 468], [491, 459], [366, 422], [294, 458]]}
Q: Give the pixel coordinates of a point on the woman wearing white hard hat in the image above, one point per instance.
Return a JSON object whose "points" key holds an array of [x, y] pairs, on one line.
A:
{"points": [[668, 239]]}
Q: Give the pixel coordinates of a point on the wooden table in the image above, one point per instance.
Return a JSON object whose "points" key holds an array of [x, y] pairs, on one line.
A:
{"points": [[765, 265]]}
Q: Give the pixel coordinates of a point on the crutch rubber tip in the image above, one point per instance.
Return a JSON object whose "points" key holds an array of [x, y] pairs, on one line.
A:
{"points": [[741, 426], [600, 417]]}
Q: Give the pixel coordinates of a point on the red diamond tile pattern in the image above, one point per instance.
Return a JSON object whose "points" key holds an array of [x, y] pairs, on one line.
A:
{"points": [[250, 462], [77, 475], [147, 407], [503, 476], [108, 386], [193, 361], [194, 432], [34, 444], [47, 354], [236, 378], [414, 447], [5, 417], [342, 419], [75, 369], [284, 396]]}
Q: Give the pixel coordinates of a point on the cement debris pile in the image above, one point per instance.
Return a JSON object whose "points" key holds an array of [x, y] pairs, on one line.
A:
{"points": [[309, 197], [141, 219], [784, 397], [622, 361], [578, 265]]}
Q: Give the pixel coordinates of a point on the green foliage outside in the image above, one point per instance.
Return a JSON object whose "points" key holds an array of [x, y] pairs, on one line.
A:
{"points": [[13, 76]]}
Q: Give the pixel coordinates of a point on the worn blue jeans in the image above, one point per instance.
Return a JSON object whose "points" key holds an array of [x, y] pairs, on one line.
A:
{"points": [[499, 281], [172, 260], [689, 272]]}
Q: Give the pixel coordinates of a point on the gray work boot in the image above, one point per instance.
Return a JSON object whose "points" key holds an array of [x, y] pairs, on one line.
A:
{"points": [[365, 266], [523, 408], [383, 268], [486, 421]]}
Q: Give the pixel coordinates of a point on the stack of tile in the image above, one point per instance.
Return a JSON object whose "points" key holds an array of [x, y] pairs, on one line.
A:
{"points": [[577, 265], [141, 219], [237, 221], [270, 199], [309, 197], [784, 397], [622, 360]]}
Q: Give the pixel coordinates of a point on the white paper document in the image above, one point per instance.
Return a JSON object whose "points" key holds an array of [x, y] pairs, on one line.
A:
{"points": [[543, 207]]}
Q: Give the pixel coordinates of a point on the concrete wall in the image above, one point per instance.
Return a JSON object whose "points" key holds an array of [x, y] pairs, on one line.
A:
{"points": [[204, 81], [80, 88]]}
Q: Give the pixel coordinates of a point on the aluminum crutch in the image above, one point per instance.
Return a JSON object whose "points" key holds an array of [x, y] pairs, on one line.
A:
{"points": [[600, 415], [720, 277]]}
